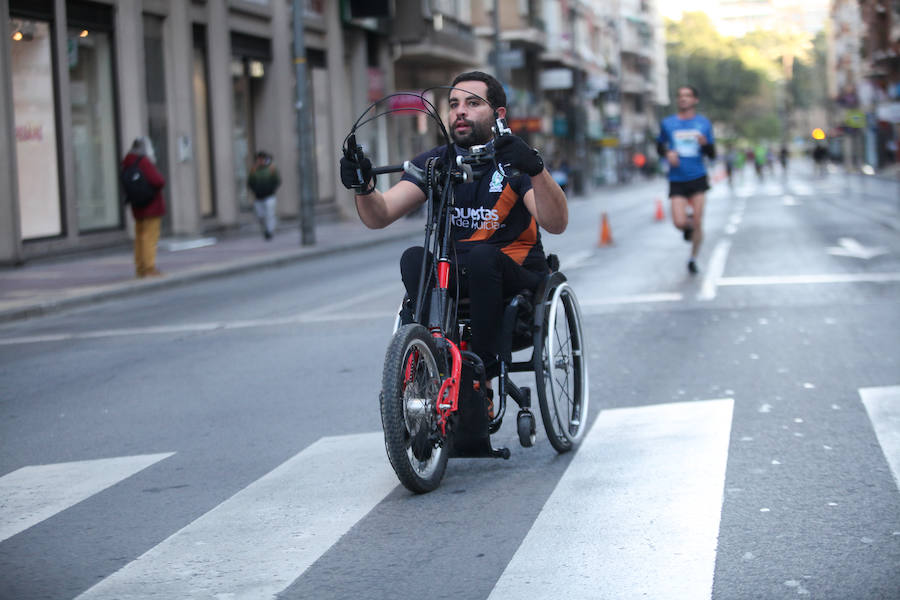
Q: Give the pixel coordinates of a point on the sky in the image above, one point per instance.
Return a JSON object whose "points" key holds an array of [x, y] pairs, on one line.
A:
{"points": [[808, 15], [672, 9]]}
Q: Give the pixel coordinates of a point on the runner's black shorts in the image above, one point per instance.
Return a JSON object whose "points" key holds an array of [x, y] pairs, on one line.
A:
{"points": [[688, 188]]}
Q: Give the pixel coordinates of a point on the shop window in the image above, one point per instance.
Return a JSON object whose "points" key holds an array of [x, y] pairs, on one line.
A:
{"points": [[155, 95], [242, 130], [203, 144], [92, 101], [34, 104]]}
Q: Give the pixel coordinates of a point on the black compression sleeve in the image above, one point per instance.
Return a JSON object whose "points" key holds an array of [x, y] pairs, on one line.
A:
{"points": [[709, 150]]}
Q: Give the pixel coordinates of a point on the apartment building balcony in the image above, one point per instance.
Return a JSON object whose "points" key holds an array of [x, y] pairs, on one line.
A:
{"points": [[518, 29], [634, 42], [634, 83], [426, 38]]}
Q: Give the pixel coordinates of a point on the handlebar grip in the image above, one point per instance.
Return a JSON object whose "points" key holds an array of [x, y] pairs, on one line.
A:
{"points": [[414, 171], [407, 167], [387, 169], [355, 153]]}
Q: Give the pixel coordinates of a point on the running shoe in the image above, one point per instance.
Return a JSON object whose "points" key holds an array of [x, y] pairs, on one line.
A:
{"points": [[692, 267]]}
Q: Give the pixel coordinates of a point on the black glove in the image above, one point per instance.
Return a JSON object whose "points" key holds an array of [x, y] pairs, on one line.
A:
{"points": [[350, 175], [512, 151]]}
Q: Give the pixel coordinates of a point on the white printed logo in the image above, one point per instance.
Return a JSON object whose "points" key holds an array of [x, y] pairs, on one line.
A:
{"points": [[476, 218], [686, 143], [496, 182]]}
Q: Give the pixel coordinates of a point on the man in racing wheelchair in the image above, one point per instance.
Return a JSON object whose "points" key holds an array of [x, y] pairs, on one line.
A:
{"points": [[496, 219]]}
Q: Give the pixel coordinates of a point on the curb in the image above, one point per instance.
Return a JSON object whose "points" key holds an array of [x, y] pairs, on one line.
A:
{"points": [[134, 287]]}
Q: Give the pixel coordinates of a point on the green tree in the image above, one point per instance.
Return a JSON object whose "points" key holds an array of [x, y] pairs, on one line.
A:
{"points": [[699, 56], [750, 85]]}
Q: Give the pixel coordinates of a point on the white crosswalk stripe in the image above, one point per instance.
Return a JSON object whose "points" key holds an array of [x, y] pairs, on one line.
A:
{"points": [[35, 493], [257, 542], [649, 481], [883, 406]]}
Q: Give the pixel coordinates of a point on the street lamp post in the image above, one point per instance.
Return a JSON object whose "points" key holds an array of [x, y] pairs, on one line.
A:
{"points": [[306, 163]]}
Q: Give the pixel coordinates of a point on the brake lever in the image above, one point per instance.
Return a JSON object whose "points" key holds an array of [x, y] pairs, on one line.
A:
{"points": [[501, 129]]}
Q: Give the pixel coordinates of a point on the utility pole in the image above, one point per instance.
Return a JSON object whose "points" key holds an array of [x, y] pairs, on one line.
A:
{"points": [[582, 172], [306, 164], [496, 19]]}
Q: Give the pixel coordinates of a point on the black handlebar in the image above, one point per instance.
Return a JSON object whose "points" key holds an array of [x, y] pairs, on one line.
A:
{"points": [[479, 154], [387, 169]]}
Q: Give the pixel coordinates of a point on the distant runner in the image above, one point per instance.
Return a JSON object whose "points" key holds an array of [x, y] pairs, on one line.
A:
{"points": [[684, 138]]}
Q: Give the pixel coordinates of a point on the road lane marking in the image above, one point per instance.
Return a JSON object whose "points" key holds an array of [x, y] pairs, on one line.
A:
{"points": [[883, 406], [715, 270], [195, 327], [850, 247], [632, 299], [32, 494], [636, 514], [807, 279], [574, 260], [256, 543], [356, 298]]}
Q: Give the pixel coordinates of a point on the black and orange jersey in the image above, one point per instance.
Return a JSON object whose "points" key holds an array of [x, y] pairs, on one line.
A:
{"points": [[491, 210]]}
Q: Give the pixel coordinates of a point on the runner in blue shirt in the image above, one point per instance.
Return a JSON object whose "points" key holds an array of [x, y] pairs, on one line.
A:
{"points": [[684, 139]]}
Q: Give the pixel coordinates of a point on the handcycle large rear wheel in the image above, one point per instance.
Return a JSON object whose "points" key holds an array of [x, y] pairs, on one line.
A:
{"points": [[409, 390], [561, 371]]}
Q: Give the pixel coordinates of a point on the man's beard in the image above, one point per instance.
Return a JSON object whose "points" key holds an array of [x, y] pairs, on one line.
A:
{"points": [[479, 133]]}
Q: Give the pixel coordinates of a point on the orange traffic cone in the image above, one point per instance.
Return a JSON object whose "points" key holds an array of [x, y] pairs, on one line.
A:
{"points": [[605, 234], [660, 213]]}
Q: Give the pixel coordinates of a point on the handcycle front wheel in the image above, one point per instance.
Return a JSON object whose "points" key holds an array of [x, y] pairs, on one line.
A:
{"points": [[410, 385], [561, 371]]}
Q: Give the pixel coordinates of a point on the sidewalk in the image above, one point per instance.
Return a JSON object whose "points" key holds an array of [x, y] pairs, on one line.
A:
{"points": [[45, 286]]}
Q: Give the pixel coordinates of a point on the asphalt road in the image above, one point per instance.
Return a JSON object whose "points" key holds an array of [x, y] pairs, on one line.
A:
{"points": [[222, 440]]}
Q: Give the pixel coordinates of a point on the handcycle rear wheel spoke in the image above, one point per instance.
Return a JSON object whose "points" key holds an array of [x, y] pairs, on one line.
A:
{"points": [[561, 371]]}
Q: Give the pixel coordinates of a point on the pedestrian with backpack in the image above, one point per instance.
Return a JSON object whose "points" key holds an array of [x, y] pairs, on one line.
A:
{"points": [[143, 184], [263, 181]]}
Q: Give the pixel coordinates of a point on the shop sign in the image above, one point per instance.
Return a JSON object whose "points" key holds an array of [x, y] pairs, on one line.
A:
{"points": [[855, 119], [376, 83], [72, 52], [560, 126], [509, 59], [409, 102], [597, 84], [609, 142], [526, 124], [556, 79], [889, 112]]}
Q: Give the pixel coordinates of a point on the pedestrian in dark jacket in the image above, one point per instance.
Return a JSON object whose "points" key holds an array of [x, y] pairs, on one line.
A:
{"points": [[263, 181], [147, 218]]}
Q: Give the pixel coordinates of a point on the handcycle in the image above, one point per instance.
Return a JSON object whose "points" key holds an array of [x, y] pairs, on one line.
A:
{"points": [[434, 400]]}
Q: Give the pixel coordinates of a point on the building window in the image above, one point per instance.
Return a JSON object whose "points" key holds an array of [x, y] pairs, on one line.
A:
{"points": [[242, 130], [203, 145], [155, 96], [34, 104], [93, 128]]}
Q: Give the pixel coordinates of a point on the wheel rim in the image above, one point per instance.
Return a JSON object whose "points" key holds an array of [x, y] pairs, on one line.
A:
{"points": [[420, 389], [565, 377]]}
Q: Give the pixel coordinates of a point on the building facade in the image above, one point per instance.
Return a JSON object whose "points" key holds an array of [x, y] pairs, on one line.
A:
{"points": [[880, 97], [211, 82]]}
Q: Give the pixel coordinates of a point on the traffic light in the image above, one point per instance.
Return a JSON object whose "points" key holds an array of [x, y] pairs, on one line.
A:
{"points": [[818, 134]]}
